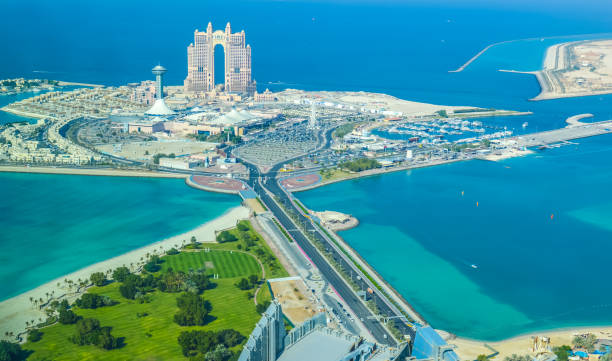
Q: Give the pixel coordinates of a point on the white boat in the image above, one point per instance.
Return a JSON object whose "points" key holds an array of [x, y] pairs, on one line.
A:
{"points": [[474, 266], [525, 125]]}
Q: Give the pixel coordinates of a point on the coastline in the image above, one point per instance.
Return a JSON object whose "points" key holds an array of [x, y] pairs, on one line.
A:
{"points": [[556, 60], [66, 83], [469, 349], [15, 311], [372, 172], [472, 59], [91, 172], [21, 113]]}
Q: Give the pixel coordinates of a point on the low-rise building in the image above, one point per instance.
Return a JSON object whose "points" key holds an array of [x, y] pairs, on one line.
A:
{"points": [[178, 163], [146, 127], [266, 96]]}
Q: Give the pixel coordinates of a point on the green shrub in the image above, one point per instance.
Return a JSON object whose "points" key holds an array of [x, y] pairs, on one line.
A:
{"points": [[92, 300], [10, 351], [34, 335], [98, 279], [244, 284], [172, 251], [226, 236], [360, 164], [120, 274], [67, 317], [193, 310], [89, 332], [262, 307], [128, 290]]}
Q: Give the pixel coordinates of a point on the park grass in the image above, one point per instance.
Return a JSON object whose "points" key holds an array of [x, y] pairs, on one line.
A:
{"points": [[335, 174], [226, 264], [273, 269], [154, 336]]}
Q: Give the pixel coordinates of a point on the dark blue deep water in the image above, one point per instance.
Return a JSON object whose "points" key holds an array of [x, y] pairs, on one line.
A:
{"points": [[534, 272]]}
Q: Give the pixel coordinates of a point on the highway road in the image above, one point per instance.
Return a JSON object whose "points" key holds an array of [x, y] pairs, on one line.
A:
{"points": [[344, 290], [266, 185]]}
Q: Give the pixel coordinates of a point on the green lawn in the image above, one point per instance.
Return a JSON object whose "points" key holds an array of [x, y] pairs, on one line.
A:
{"points": [[226, 264], [154, 337], [273, 269]]}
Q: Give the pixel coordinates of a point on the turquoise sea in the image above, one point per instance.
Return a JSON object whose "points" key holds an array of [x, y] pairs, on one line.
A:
{"points": [[52, 225], [533, 272], [538, 229]]}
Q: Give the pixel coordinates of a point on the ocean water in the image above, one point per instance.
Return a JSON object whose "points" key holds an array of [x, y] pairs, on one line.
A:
{"points": [[533, 271], [538, 229], [56, 224]]}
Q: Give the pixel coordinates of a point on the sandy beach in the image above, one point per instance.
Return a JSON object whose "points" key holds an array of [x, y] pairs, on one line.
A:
{"points": [[109, 172], [14, 312], [521, 345]]}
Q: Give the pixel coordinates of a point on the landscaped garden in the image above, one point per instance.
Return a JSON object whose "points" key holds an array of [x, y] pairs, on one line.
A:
{"points": [[200, 302]]}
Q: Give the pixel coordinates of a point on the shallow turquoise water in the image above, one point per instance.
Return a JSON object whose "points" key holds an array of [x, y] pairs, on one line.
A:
{"points": [[534, 271], [52, 225]]}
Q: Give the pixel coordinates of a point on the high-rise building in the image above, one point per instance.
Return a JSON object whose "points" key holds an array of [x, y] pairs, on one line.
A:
{"points": [[201, 61], [266, 341]]}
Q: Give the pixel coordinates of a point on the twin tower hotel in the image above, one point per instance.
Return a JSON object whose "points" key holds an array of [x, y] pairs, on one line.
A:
{"points": [[201, 61]]}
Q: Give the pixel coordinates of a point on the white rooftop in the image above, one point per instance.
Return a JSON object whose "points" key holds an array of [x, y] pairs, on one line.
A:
{"points": [[319, 346], [159, 108], [234, 117]]}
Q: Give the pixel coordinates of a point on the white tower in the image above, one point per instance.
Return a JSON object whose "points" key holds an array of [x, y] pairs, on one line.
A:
{"points": [[159, 71], [312, 122], [159, 107]]}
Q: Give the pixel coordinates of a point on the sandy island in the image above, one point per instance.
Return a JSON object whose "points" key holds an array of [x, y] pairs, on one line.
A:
{"points": [[575, 69], [14, 312]]}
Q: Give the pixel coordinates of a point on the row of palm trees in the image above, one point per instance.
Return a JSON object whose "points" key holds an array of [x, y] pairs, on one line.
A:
{"points": [[80, 283], [40, 302]]}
